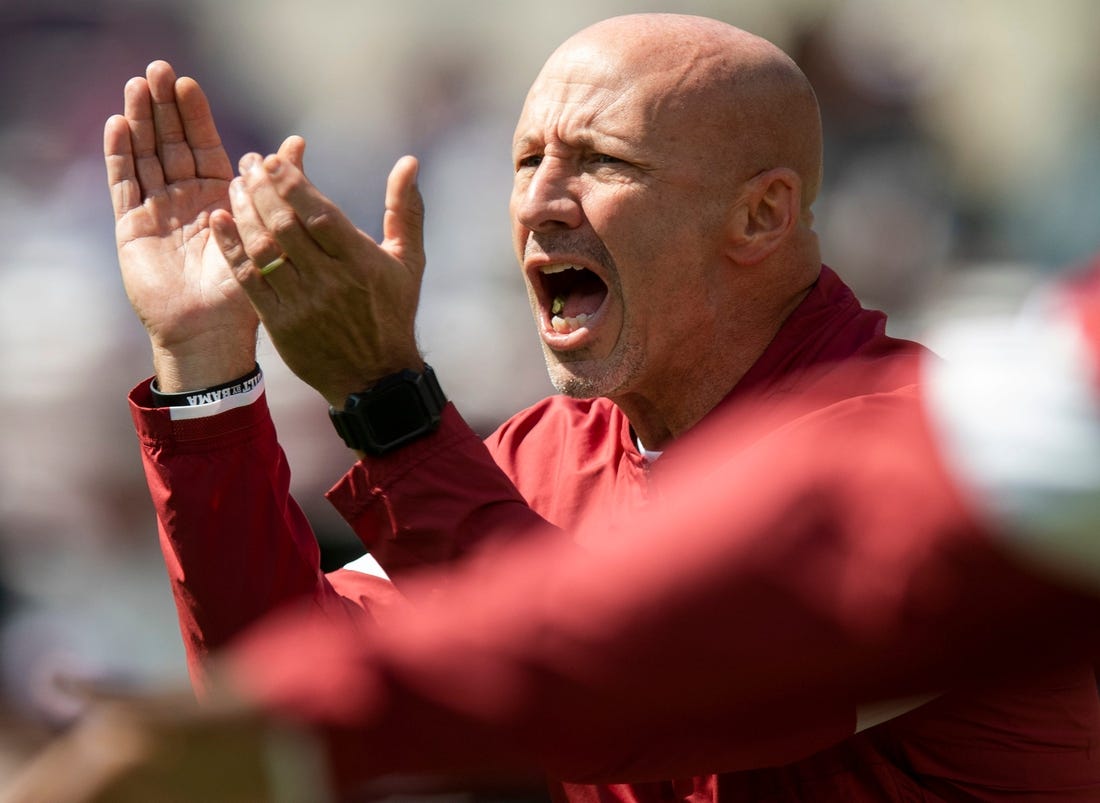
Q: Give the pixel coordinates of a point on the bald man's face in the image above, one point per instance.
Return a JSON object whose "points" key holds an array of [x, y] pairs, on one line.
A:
{"points": [[622, 188]]}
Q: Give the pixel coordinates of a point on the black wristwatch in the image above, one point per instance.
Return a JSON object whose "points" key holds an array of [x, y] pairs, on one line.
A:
{"points": [[395, 411]]}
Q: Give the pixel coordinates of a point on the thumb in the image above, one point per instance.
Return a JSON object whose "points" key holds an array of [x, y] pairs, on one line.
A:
{"points": [[403, 223]]}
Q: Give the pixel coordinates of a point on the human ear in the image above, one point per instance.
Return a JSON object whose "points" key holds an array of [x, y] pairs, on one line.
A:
{"points": [[765, 216]]}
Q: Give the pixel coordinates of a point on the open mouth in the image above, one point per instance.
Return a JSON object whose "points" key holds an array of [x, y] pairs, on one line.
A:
{"points": [[574, 294]]}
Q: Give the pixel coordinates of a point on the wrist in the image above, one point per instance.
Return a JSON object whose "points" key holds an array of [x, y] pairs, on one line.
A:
{"points": [[178, 373], [337, 393]]}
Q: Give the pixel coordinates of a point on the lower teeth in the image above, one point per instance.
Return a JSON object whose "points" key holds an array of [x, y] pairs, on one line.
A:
{"points": [[562, 325]]}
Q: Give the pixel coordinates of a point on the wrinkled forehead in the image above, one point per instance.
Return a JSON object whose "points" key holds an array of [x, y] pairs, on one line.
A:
{"points": [[585, 86]]}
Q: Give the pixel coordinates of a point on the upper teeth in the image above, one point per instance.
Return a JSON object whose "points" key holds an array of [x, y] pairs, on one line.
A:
{"points": [[559, 268]]}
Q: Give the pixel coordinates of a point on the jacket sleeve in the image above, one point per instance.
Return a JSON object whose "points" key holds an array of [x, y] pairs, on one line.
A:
{"points": [[235, 543], [237, 546], [432, 502]]}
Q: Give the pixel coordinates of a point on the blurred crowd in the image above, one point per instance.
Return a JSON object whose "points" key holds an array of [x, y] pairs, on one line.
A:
{"points": [[962, 157]]}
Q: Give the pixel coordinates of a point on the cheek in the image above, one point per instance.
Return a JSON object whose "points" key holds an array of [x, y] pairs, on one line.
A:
{"points": [[652, 240], [666, 264], [645, 215]]}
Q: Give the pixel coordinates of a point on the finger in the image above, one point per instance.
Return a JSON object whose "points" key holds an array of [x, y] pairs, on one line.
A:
{"points": [[118, 154], [228, 238], [259, 242], [293, 150], [138, 108], [320, 220], [403, 222], [287, 205], [176, 158], [211, 160]]}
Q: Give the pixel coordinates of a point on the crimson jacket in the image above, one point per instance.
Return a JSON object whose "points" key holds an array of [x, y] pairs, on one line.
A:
{"points": [[766, 624]]}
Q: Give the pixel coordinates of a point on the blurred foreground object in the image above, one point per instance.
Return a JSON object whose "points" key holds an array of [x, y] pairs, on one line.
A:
{"points": [[475, 679]]}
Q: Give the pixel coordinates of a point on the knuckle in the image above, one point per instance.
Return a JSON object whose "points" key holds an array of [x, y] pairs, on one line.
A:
{"points": [[235, 254], [282, 221], [261, 245], [322, 222]]}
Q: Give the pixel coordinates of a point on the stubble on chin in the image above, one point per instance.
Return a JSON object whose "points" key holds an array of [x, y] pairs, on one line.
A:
{"points": [[593, 378], [574, 386]]}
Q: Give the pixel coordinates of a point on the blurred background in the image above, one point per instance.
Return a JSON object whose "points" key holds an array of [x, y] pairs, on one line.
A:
{"points": [[962, 162]]}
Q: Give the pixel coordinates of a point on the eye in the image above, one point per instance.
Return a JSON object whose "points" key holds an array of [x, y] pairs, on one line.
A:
{"points": [[605, 159], [529, 161]]}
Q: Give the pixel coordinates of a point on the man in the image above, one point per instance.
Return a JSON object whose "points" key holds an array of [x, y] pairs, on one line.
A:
{"points": [[665, 172]]}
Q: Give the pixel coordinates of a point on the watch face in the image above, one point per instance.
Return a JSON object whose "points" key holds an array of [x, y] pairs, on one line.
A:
{"points": [[395, 413], [399, 409]]}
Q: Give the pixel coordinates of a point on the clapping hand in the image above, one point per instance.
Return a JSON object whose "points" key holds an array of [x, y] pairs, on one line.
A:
{"points": [[168, 173], [338, 306]]}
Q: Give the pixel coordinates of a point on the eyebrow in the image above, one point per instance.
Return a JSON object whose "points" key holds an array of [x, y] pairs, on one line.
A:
{"points": [[588, 138], [523, 143]]}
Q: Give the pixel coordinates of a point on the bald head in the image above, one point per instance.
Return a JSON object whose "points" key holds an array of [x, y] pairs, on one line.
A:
{"points": [[750, 103]]}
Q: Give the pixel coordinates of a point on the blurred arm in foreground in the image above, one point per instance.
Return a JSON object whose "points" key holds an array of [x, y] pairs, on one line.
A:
{"points": [[987, 481]]}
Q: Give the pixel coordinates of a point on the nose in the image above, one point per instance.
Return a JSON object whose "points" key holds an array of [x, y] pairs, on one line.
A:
{"points": [[547, 198]]}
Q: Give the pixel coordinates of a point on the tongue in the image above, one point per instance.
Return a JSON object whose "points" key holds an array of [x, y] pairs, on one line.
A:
{"points": [[582, 303]]}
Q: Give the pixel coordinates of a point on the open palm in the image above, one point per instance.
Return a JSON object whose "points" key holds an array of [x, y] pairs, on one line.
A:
{"points": [[168, 171]]}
